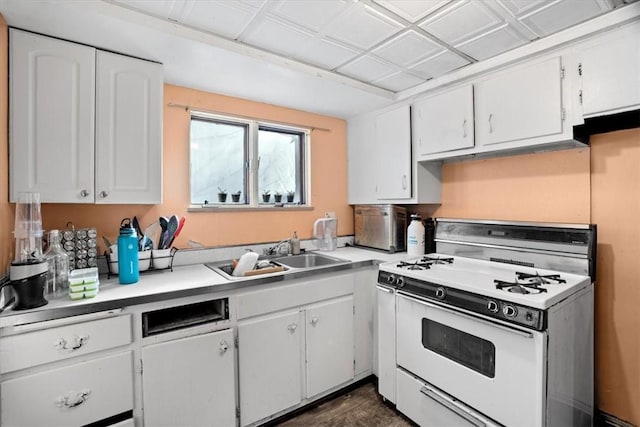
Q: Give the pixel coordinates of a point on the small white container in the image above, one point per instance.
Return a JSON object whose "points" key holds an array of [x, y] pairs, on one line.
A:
{"points": [[415, 237], [144, 260], [113, 262], [161, 258]]}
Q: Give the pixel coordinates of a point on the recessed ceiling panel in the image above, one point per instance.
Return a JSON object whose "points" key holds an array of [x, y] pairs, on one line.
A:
{"points": [[462, 21], [277, 37], [326, 54], [562, 14], [439, 65], [362, 27], [223, 18], [412, 10], [520, 7], [311, 14], [407, 48], [367, 69], [161, 8], [493, 43], [399, 81]]}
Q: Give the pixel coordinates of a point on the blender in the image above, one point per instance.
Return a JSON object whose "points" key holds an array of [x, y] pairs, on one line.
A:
{"points": [[28, 271]]}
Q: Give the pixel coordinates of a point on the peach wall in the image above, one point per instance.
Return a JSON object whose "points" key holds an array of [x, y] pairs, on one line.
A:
{"points": [[6, 208], [328, 169], [615, 204]]}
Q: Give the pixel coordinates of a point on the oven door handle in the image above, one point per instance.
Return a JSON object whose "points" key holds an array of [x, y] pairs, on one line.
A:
{"points": [[450, 405], [385, 289], [496, 325]]}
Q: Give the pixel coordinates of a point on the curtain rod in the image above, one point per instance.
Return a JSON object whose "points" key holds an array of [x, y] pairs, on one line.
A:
{"points": [[189, 108]]}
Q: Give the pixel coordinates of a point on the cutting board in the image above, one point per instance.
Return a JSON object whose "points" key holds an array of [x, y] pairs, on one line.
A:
{"points": [[275, 269]]}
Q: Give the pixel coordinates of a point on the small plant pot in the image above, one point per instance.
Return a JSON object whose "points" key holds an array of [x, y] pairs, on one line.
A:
{"points": [[266, 198], [290, 198], [222, 197], [235, 198], [278, 198]]}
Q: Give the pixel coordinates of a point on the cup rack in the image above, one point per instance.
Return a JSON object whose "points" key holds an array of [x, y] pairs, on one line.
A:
{"points": [[161, 260]]}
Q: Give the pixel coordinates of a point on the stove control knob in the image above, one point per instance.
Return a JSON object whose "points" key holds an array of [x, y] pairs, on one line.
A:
{"points": [[493, 306], [400, 282], [509, 310], [441, 293], [391, 278]]}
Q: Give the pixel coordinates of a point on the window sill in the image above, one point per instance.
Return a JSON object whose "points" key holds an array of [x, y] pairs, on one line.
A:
{"points": [[246, 208]]}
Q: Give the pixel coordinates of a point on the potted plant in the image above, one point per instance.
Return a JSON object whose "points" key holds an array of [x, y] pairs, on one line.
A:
{"points": [[290, 195], [277, 196], [222, 195], [266, 195], [235, 197]]}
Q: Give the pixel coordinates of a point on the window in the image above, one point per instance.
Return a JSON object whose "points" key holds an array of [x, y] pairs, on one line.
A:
{"points": [[238, 162]]}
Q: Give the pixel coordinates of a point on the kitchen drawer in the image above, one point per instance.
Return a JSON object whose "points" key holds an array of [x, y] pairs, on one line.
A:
{"points": [[59, 343], [71, 396], [429, 406]]}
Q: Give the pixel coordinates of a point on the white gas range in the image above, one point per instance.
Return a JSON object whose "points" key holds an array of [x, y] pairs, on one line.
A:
{"points": [[496, 328]]}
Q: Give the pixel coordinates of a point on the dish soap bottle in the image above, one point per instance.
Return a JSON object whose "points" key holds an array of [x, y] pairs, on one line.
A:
{"points": [[295, 244], [415, 237], [58, 266], [128, 268]]}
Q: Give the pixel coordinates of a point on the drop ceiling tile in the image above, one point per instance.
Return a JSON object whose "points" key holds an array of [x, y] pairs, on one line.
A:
{"points": [[367, 69], [362, 27], [559, 15], [412, 10], [407, 48], [277, 37], [399, 81], [326, 54], [311, 14], [462, 21], [439, 65], [520, 7], [493, 43], [226, 18], [160, 8]]}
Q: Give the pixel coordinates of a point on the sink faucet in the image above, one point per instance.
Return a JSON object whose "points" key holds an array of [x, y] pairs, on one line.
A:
{"points": [[278, 248]]}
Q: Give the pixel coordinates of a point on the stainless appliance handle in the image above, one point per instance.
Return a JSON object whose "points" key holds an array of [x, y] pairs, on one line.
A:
{"points": [[496, 325], [385, 289], [458, 410]]}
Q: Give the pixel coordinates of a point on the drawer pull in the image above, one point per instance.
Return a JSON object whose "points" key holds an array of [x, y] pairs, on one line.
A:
{"points": [[292, 327], [69, 402], [223, 347], [78, 342]]}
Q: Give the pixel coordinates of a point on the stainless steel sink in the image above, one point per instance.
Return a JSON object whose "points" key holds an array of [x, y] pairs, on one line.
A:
{"points": [[309, 260]]}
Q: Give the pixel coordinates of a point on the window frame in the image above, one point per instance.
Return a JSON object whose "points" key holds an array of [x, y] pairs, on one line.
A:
{"points": [[252, 163]]}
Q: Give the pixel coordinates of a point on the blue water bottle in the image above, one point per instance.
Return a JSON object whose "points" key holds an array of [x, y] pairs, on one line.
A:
{"points": [[128, 270]]}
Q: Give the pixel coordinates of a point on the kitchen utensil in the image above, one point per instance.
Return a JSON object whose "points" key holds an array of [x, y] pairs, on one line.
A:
{"points": [[246, 263], [172, 227], [164, 222], [153, 233], [136, 226], [106, 242], [180, 225]]}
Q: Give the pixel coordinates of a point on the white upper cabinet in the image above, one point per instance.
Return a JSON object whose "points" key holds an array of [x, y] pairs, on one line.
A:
{"points": [[519, 104], [51, 117], [85, 125], [393, 149], [444, 122], [610, 72], [128, 130]]}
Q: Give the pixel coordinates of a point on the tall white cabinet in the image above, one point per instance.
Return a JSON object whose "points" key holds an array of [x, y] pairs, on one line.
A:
{"points": [[393, 150], [85, 125]]}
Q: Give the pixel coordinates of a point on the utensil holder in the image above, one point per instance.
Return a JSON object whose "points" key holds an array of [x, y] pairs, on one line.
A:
{"points": [[162, 260]]}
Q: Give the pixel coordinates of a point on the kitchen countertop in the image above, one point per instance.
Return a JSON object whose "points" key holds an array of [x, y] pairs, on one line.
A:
{"points": [[184, 281]]}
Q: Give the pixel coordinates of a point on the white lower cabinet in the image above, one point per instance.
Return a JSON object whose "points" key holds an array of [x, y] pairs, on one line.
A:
{"points": [[386, 348], [73, 395], [190, 381], [292, 355]]}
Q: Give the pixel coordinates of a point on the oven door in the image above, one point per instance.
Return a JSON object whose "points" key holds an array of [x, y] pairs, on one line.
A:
{"points": [[496, 369]]}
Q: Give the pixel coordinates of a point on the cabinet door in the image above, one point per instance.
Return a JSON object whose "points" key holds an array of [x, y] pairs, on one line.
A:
{"points": [[364, 294], [611, 73], [393, 151], [329, 328], [270, 358], [361, 161], [190, 381], [520, 104], [445, 122], [128, 130], [387, 343], [51, 136]]}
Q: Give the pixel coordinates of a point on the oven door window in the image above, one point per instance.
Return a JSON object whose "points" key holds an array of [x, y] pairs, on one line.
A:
{"points": [[461, 347]]}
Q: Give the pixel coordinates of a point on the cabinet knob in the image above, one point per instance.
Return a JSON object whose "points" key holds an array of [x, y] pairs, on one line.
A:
{"points": [[84, 193], [78, 342], [292, 327], [104, 194], [314, 321], [223, 347], [72, 399]]}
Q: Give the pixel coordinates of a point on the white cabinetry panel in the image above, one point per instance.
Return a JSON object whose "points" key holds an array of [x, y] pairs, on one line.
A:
{"points": [[520, 104], [393, 151], [190, 381], [128, 130], [51, 118], [445, 122], [386, 343]]}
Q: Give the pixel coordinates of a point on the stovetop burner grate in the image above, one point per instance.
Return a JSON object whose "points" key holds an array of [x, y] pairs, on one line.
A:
{"points": [[519, 287], [437, 260], [539, 279], [418, 265]]}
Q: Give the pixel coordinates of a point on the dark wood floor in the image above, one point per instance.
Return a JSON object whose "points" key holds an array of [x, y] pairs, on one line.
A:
{"points": [[361, 407]]}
